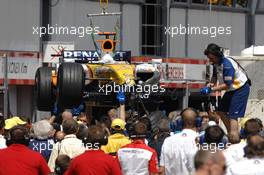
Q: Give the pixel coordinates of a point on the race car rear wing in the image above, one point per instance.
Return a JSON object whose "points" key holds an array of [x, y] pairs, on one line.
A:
{"points": [[91, 56]]}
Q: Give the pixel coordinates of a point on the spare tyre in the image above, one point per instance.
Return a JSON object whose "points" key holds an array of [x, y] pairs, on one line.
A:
{"points": [[70, 85], [43, 87]]}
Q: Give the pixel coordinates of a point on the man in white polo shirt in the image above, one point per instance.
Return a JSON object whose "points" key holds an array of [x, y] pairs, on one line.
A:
{"points": [[178, 151], [254, 162], [235, 152]]}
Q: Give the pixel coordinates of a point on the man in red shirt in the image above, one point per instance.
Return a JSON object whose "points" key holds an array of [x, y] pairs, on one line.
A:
{"points": [[94, 161], [18, 158], [137, 157]]}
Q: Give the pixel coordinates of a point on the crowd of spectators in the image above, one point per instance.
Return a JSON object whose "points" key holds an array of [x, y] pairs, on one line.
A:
{"points": [[183, 144]]}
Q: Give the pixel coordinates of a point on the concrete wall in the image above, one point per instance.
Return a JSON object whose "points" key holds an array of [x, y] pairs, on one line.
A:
{"points": [[259, 30], [202, 18], [17, 18]]}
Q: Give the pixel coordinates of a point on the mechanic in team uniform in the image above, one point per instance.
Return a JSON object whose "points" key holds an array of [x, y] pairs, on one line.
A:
{"points": [[234, 80], [137, 157]]}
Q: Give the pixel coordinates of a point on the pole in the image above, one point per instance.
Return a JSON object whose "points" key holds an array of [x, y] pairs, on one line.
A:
{"points": [[168, 25], [5, 86]]}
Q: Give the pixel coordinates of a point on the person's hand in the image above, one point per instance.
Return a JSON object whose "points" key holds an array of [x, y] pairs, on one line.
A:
{"points": [[210, 85], [78, 110], [55, 110], [206, 90], [52, 119], [121, 97]]}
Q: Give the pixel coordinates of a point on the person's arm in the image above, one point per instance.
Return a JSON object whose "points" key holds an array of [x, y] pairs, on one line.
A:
{"points": [[122, 99], [162, 159], [162, 170], [122, 112], [153, 164], [220, 87], [52, 119], [53, 157], [228, 77]]}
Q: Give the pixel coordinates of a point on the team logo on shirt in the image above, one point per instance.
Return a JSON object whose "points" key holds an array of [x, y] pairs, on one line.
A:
{"points": [[227, 78], [256, 162], [184, 135]]}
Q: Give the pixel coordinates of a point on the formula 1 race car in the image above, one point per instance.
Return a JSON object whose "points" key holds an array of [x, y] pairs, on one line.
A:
{"points": [[83, 74]]}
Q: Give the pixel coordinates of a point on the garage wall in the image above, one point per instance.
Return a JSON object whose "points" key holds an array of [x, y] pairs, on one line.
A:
{"points": [[196, 43], [25, 101], [13, 99], [17, 18], [74, 13], [131, 28], [177, 43]]}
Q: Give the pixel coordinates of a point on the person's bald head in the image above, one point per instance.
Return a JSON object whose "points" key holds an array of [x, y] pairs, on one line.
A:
{"points": [[66, 115], [218, 157], [189, 116], [255, 147], [207, 161], [201, 158], [59, 136]]}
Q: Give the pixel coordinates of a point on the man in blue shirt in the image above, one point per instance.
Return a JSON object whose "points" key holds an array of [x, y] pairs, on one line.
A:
{"points": [[234, 80]]}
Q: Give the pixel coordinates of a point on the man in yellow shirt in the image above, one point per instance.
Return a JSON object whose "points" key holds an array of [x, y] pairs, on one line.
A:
{"points": [[117, 138]]}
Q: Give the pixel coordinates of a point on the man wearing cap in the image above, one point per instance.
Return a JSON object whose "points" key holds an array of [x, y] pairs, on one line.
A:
{"points": [[117, 138], [14, 121]]}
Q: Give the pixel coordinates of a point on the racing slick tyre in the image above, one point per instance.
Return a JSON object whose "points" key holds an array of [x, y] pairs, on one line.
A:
{"points": [[43, 87], [71, 80]]}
